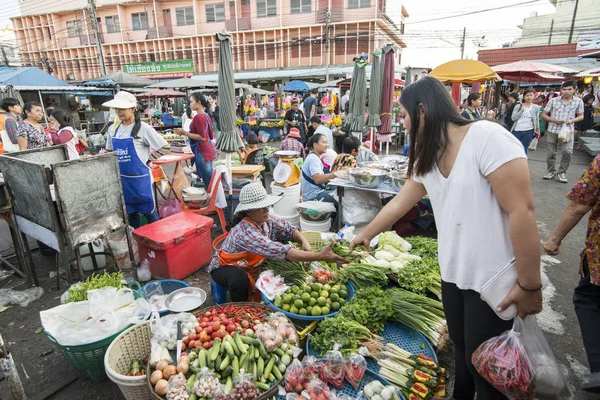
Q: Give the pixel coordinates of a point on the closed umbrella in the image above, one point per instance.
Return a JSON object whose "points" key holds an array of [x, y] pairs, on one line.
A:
{"points": [[229, 141], [373, 119], [9, 91], [387, 95], [355, 120]]}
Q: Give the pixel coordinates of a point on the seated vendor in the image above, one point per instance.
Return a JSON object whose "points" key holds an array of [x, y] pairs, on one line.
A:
{"points": [[291, 143], [347, 159], [314, 179], [256, 237], [254, 155]]}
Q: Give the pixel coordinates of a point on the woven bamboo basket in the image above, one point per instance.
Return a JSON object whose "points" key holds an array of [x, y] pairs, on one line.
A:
{"points": [[131, 345]]}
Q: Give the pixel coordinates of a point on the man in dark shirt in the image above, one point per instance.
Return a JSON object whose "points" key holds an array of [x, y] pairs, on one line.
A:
{"points": [[294, 118], [310, 104]]}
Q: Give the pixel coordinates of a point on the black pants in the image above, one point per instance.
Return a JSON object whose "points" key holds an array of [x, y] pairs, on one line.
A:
{"points": [[587, 307], [235, 280], [471, 321]]}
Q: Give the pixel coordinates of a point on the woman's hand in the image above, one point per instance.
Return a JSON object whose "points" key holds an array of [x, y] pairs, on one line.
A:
{"points": [[306, 246], [528, 303], [537, 134], [552, 246], [360, 239], [179, 131], [327, 254]]}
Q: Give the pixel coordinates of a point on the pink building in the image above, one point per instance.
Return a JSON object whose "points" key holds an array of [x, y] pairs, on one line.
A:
{"points": [[266, 33]]}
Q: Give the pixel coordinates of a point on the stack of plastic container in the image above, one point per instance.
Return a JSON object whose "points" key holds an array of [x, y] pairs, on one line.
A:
{"points": [[286, 207]]}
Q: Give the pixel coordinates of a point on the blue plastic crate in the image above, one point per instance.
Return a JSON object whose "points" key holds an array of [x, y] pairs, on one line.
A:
{"points": [[402, 336], [269, 304]]}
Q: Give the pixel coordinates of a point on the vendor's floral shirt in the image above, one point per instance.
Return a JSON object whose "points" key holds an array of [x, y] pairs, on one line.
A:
{"points": [[265, 242], [587, 192], [35, 138]]}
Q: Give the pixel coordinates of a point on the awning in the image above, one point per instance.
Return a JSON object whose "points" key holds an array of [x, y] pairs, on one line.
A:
{"points": [[107, 93], [464, 71], [30, 76]]}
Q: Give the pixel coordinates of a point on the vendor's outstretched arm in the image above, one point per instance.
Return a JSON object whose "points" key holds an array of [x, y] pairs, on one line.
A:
{"points": [[409, 195], [299, 238]]}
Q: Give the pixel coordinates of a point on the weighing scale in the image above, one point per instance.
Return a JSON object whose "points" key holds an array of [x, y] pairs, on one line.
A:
{"points": [[286, 173]]}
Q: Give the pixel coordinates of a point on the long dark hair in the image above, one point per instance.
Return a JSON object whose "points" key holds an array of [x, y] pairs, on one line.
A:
{"points": [[29, 106], [199, 97], [431, 97], [188, 112], [137, 125], [63, 119]]}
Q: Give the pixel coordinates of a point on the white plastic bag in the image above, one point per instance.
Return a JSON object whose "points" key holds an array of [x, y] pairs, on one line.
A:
{"points": [[565, 134], [533, 144], [549, 381], [360, 206], [271, 285], [20, 297]]}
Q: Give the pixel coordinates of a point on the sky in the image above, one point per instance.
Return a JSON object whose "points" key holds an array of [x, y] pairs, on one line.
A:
{"points": [[430, 43], [9, 9]]}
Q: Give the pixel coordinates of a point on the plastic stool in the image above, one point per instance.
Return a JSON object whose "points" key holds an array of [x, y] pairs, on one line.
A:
{"points": [[219, 292]]}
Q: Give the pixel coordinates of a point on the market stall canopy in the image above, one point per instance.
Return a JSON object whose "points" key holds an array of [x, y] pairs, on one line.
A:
{"points": [[532, 71], [261, 92], [29, 76], [464, 71], [183, 83], [99, 83], [593, 72], [125, 80], [299, 86], [331, 83], [159, 93], [594, 54]]}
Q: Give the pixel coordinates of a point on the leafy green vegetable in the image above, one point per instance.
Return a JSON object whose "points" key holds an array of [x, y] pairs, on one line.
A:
{"points": [[78, 292], [291, 272], [371, 308], [423, 246], [347, 333], [420, 276], [343, 250], [393, 239], [363, 275]]}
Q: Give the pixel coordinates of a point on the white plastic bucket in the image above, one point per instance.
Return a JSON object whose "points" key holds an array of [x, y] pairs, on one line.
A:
{"points": [[294, 220], [290, 196], [312, 226]]}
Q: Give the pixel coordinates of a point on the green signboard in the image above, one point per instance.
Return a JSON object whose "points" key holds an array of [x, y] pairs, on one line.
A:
{"points": [[162, 69]]}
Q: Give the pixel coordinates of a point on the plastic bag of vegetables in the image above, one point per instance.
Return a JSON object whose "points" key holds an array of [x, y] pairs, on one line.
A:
{"points": [[375, 390], [295, 379], [207, 384], [549, 380], [243, 388], [354, 369], [333, 368], [177, 389], [311, 365]]}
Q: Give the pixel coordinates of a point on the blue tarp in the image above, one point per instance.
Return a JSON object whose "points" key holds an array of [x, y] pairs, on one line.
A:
{"points": [[106, 93], [29, 76], [296, 86], [100, 83]]}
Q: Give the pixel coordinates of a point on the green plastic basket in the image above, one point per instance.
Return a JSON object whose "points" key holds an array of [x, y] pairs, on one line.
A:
{"points": [[87, 358]]}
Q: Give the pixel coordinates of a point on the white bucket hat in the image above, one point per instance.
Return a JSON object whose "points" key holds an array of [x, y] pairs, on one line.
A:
{"points": [[122, 100], [254, 196]]}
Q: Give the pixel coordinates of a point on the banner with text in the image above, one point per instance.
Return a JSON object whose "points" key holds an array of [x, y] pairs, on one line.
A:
{"points": [[161, 69]]}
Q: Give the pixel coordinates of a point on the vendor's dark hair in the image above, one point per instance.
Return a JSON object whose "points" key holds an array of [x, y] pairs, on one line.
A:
{"points": [[350, 143], [61, 117], [137, 125], [29, 106], [316, 120], [199, 97], [431, 97], [542, 96], [314, 139], [514, 95], [587, 98], [473, 96], [527, 91], [8, 102], [251, 138], [49, 111], [188, 112]]}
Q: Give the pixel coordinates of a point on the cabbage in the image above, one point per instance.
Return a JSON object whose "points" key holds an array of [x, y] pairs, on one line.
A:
{"points": [[384, 255], [394, 240]]}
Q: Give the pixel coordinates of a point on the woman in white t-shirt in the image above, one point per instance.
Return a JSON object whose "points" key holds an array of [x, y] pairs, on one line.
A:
{"points": [[477, 178], [526, 118]]}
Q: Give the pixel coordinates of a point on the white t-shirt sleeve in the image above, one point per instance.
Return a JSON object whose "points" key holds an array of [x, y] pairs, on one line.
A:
{"points": [[496, 147], [151, 138]]}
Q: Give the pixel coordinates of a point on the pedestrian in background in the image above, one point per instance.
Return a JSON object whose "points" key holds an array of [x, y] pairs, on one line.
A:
{"points": [[562, 110], [541, 101], [471, 112], [310, 104], [344, 101], [526, 118], [10, 111], [585, 197], [513, 98], [588, 119]]}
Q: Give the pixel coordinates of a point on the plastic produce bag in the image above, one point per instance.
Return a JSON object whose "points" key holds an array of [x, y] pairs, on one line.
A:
{"points": [[354, 369], [169, 207], [318, 390], [333, 368], [312, 365], [120, 249], [504, 363], [360, 206], [550, 383], [153, 292], [207, 384], [533, 144], [144, 274], [268, 336], [244, 388], [565, 133], [294, 378], [271, 285], [20, 297], [177, 389]]}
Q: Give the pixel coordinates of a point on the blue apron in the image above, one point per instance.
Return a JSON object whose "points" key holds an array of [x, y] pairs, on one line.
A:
{"points": [[136, 178]]}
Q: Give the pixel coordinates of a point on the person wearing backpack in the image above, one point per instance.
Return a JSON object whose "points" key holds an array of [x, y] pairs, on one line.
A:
{"points": [[513, 100], [10, 109]]}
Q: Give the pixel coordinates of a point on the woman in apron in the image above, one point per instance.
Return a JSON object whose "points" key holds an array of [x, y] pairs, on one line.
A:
{"points": [[258, 236], [133, 141], [201, 134]]}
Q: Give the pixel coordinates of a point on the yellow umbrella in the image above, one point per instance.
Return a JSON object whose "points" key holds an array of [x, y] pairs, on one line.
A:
{"points": [[464, 71]]}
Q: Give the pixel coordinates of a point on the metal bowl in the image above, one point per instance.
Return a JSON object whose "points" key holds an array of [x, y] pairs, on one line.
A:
{"points": [[185, 300], [383, 165], [398, 178], [394, 160], [315, 216], [367, 177], [287, 153]]}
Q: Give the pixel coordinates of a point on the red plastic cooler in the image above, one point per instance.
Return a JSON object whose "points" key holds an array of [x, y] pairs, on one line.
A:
{"points": [[176, 246]]}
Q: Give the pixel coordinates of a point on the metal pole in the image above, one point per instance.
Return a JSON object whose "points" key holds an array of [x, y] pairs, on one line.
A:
{"points": [[462, 44], [327, 40], [156, 19], [573, 21], [92, 8], [43, 109]]}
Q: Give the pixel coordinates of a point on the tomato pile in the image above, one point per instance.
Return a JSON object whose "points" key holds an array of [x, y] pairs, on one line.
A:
{"points": [[219, 322]]}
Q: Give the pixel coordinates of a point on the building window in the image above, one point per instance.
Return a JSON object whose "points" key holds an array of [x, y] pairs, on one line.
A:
{"points": [[300, 6], [112, 24], [266, 8], [359, 3], [139, 21], [74, 28], [215, 12], [185, 16], [245, 2]]}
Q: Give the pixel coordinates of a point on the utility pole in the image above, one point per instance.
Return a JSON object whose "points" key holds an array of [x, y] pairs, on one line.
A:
{"points": [[4, 56], [92, 8], [573, 21], [327, 22], [462, 44]]}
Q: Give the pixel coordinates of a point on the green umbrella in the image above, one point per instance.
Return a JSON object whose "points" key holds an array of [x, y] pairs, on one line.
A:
{"points": [[355, 120], [373, 119], [387, 94]]}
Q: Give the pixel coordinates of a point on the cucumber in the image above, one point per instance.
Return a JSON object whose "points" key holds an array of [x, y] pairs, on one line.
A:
{"points": [[260, 365], [254, 370], [271, 378], [193, 355], [225, 363], [277, 372], [229, 350], [215, 349], [228, 385], [257, 352], [250, 341], [227, 372], [193, 396], [262, 386], [269, 366], [202, 358], [194, 370], [243, 360], [279, 352], [281, 367], [235, 364], [263, 351], [210, 363], [237, 338], [191, 380]]}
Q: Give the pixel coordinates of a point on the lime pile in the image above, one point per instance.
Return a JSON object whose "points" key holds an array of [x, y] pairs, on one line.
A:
{"points": [[313, 299]]}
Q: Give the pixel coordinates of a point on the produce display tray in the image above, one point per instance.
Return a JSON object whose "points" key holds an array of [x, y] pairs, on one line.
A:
{"points": [[351, 293], [402, 336]]}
